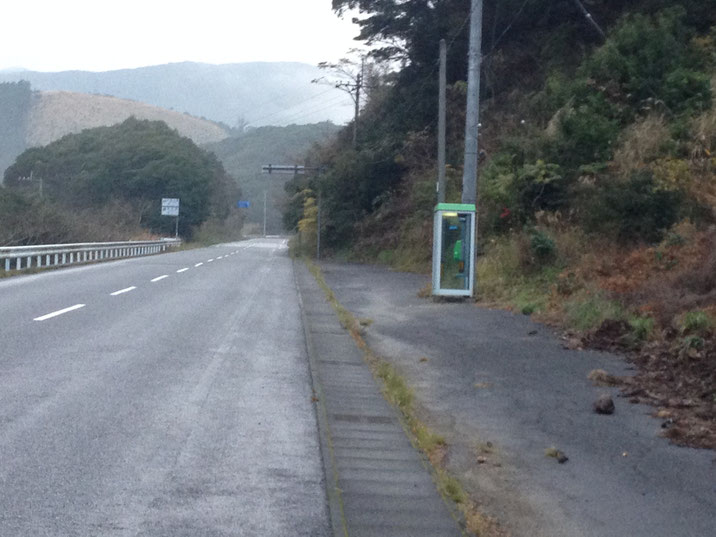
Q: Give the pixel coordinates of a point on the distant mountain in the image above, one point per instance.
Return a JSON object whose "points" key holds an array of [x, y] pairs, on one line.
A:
{"points": [[259, 93]]}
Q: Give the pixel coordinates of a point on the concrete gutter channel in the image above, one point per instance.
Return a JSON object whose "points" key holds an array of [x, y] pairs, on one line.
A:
{"points": [[378, 485]]}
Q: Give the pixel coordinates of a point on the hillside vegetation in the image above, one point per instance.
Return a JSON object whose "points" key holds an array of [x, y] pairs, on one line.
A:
{"points": [[108, 182], [596, 190]]}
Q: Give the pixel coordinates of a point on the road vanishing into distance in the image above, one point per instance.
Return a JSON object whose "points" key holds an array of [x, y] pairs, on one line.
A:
{"points": [[159, 396]]}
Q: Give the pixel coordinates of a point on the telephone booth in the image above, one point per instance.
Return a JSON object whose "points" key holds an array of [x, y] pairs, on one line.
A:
{"points": [[454, 249]]}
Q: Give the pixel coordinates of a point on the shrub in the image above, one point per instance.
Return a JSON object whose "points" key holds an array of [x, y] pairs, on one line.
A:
{"points": [[512, 194], [586, 134], [632, 211], [542, 247], [647, 59]]}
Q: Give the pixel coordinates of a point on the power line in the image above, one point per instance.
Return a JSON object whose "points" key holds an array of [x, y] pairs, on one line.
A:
{"points": [[261, 118], [290, 116]]}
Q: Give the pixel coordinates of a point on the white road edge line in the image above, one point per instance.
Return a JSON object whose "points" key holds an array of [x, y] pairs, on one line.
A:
{"points": [[58, 312], [198, 264], [159, 278], [182, 270], [122, 291]]}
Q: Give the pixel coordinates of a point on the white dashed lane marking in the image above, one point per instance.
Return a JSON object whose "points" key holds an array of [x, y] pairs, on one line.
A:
{"points": [[159, 278], [59, 312], [182, 270], [122, 291], [198, 264]]}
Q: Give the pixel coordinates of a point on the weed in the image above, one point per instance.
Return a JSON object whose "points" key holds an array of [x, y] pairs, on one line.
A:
{"points": [[386, 257], [602, 378], [396, 389], [452, 489], [697, 323], [425, 291], [589, 310], [641, 328], [693, 342]]}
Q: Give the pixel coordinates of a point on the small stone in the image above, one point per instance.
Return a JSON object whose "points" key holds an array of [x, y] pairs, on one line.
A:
{"points": [[604, 405], [481, 460], [561, 457]]}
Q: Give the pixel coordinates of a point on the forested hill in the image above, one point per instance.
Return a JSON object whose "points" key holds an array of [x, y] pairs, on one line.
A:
{"points": [[108, 182]]}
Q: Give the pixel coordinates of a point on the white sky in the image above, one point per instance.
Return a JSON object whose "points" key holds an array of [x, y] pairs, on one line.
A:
{"points": [[98, 35]]}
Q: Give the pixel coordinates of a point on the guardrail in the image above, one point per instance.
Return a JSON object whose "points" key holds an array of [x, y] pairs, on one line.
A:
{"points": [[54, 255]]}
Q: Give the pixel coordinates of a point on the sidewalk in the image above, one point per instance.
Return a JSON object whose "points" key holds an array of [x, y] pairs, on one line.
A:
{"points": [[502, 388], [378, 484]]}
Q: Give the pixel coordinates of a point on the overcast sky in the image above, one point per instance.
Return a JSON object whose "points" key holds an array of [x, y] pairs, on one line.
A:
{"points": [[98, 35]]}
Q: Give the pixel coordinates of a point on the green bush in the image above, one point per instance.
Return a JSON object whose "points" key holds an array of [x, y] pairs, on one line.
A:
{"points": [[543, 247], [512, 194], [585, 135], [632, 211], [648, 59]]}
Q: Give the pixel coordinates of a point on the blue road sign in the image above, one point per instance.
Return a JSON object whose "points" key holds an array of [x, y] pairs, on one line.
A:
{"points": [[243, 204]]}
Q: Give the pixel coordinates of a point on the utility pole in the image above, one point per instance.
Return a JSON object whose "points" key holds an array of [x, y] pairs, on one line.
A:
{"points": [[318, 226], [265, 189], [472, 115], [441, 122], [352, 87]]}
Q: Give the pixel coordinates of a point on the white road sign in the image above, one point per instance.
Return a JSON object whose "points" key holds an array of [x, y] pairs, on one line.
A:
{"points": [[170, 206]]}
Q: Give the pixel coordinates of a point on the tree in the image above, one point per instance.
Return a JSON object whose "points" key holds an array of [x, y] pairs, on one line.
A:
{"points": [[137, 161]]}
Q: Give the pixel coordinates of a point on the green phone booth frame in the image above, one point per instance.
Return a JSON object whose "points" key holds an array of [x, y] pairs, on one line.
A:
{"points": [[454, 249]]}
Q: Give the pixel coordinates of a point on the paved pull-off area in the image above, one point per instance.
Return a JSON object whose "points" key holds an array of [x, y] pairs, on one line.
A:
{"points": [[502, 390], [380, 485], [159, 396]]}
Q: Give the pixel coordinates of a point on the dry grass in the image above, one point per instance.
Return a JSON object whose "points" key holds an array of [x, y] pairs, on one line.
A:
{"points": [[57, 113], [641, 144]]}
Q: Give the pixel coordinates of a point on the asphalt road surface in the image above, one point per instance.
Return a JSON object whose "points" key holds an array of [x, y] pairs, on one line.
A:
{"points": [[159, 396]]}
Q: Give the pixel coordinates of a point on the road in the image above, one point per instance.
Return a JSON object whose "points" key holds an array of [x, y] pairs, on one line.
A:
{"points": [[159, 396]]}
